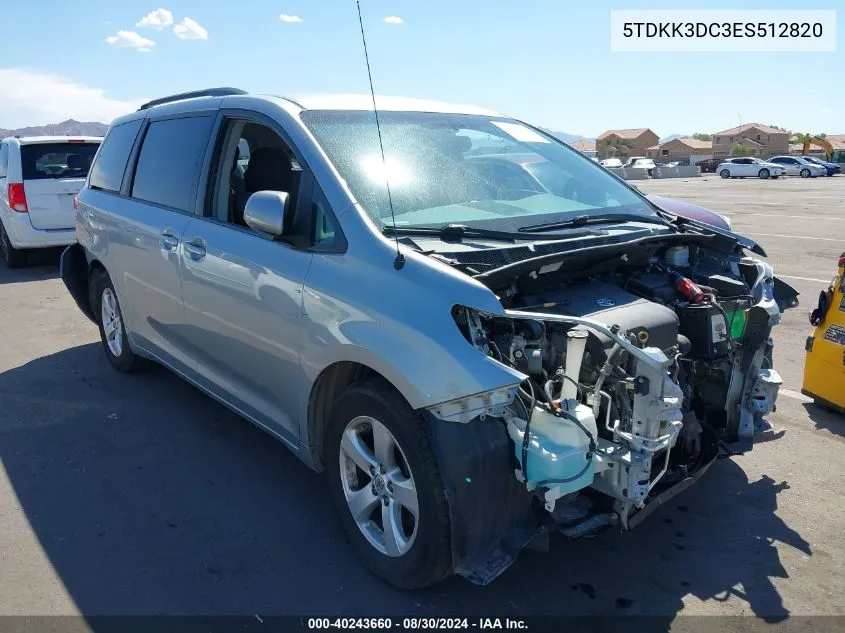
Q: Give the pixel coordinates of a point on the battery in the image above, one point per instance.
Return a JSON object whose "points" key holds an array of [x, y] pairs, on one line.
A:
{"points": [[707, 329]]}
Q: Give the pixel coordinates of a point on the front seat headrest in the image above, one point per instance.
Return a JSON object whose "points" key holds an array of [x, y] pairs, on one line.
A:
{"points": [[268, 170], [75, 161]]}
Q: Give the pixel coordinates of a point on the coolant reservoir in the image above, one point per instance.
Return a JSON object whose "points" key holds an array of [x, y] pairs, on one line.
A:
{"points": [[557, 449], [677, 256]]}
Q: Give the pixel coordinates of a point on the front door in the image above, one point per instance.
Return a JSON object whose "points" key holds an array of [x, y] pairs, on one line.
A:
{"points": [[242, 289]]}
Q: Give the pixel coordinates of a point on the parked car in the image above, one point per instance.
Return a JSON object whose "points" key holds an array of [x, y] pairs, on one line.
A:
{"points": [[39, 176], [471, 363], [611, 162], [640, 162], [749, 167], [709, 165], [798, 166], [831, 168]]}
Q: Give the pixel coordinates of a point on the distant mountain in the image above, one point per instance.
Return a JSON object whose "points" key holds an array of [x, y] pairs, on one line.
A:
{"points": [[65, 128], [569, 138], [671, 137]]}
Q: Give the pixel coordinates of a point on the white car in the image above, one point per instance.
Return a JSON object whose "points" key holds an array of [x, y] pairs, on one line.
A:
{"points": [[39, 178], [611, 163], [799, 166], [749, 167]]}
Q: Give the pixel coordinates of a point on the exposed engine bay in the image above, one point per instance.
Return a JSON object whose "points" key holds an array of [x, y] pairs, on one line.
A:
{"points": [[642, 366]]}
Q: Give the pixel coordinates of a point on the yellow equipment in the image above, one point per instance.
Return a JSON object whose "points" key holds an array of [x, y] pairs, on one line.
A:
{"points": [[824, 369], [820, 142]]}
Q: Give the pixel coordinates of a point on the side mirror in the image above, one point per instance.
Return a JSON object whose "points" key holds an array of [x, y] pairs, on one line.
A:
{"points": [[265, 211]]}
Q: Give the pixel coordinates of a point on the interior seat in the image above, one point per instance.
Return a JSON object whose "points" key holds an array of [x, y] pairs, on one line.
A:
{"points": [[269, 169]]}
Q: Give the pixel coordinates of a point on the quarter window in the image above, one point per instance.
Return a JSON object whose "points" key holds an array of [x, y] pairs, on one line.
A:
{"points": [[170, 156], [4, 159], [110, 163]]}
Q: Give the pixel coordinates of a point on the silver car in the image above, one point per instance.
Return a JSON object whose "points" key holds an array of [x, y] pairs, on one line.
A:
{"points": [[746, 167], [798, 166], [471, 361]]}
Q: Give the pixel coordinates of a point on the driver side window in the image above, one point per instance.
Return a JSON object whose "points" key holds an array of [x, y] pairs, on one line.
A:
{"points": [[251, 158]]}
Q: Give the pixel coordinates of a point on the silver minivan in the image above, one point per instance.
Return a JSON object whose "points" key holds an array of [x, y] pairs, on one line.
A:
{"points": [[476, 352]]}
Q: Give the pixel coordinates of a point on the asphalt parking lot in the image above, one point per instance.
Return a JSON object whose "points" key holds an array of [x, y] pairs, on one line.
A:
{"points": [[139, 495]]}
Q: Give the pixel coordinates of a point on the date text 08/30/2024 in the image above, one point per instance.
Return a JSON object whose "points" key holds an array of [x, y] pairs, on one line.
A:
{"points": [[415, 624]]}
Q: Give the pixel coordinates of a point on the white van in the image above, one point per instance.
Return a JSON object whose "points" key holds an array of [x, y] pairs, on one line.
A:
{"points": [[39, 178]]}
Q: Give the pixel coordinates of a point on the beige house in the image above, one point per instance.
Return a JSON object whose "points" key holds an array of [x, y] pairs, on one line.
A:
{"points": [[625, 143], [683, 148], [761, 140], [584, 146]]}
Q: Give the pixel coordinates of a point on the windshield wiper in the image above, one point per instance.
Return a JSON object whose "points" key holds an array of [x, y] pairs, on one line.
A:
{"points": [[457, 232], [584, 220]]}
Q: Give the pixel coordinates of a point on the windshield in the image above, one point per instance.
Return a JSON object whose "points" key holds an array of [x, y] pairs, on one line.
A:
{"points": [[467, 169], [42, 161]]}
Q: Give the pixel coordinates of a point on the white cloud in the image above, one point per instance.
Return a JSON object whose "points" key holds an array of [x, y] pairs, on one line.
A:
{"points": [[35, 98], [158, 20], [826, 110], [394, 19], [187, 29], [290, 19], [130, 39]]}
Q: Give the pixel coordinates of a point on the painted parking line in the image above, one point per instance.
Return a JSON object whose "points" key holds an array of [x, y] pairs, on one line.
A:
{"points": [[797, 217], [821, 281], [795, 395], [798, 237]]}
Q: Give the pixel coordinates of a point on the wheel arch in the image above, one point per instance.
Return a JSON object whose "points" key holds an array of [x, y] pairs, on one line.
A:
{"points": [[75, 271], [327, 388]]}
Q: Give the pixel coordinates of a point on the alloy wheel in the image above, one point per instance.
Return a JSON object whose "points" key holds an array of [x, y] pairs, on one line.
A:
{"points": [[378, 486], [112, 323]]}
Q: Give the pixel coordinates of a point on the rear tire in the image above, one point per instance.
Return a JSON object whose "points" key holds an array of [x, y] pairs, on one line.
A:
{"points": [[14, 257], [415, 551], [764, 174], [804, 173], [725, 173], [106, 308]]}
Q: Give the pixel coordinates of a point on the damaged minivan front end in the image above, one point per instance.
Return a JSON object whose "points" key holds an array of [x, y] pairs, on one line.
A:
{"points": [[641, 364], [579, 352]]}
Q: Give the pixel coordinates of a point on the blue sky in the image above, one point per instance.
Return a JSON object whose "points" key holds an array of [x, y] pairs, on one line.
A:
{"points": [[545, 61]]}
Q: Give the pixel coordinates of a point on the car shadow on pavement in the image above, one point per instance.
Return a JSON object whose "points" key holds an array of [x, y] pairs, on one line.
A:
{"points": [[147, 497], [827, 419], [42, 264]]}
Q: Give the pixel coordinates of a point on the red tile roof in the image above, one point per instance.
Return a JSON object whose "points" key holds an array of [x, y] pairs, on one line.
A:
{"points": [[745, 127], [626, 133], [583, 145]]}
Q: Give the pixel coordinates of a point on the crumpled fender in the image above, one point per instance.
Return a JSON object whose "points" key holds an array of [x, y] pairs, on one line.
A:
{"points": [[491, 512]]}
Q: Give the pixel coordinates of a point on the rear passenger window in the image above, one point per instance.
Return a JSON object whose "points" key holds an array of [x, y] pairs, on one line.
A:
{"points": [[44, 161], [168, 162], [107, 170]]}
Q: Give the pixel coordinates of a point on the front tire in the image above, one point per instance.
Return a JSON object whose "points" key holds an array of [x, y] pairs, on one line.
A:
{"points": [[804, 173], [764, 174], [382, 473], [105, 306], [14, 257], [725, 173]]}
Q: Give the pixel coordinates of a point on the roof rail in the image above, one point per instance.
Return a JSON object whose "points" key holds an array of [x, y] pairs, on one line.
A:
{"points": [[208, 92]]}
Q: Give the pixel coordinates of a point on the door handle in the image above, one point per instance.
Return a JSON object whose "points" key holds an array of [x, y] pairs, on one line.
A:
{"points": [[195, 249], [168, 241]]}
